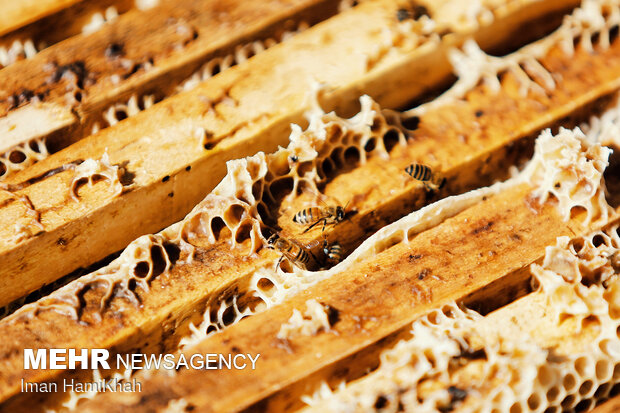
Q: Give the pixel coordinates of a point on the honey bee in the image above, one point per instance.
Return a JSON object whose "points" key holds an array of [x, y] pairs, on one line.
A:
{"points": [[402, 14], [333, 253], [316, 215], [431, 180], [295, 253], [415, 13]]}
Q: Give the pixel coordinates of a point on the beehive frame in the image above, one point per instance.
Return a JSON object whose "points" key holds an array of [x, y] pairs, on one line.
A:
{"points": [[207, 280]]}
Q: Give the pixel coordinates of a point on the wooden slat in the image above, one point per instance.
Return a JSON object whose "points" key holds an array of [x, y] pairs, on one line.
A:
{"points": [[135, 332], [510, 305], [153, 51], [216, 272], [610, 406], [531, 319], [47, 26], [19, 13], [245, 109], [374, 299]]}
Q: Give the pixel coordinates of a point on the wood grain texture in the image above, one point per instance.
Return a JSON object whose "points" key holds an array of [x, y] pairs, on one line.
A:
{"points": [[609, 406], [194, 287], [245, 109], [165, 313], [522, 315], [530, 319], [19, 13], [49, 26], [374, 299], [153, 51]]}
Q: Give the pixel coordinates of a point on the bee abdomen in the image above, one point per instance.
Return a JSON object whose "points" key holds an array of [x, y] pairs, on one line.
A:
{"points": [[419, 172], [302, 259], [306, 216], [334, 253]]}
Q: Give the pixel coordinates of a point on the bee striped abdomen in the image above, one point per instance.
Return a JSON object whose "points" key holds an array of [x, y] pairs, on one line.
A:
{"points": [[431, 180], [302, 256], [420, 172], [293, 252], [335, 253], [307, 216]]}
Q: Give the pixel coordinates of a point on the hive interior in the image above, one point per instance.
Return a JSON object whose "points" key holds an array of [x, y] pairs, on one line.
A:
{"points": [[456, 359]]}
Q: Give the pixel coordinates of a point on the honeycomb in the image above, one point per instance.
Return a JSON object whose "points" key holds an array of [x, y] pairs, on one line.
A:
{"points": [[455, 358], [313, 320], [582, 178], [241, 53], [569, 156], [552, 170], [28, 153], [98, 19], [570, 168], [145, 258], [31, 225], [449, 364], [590, 24], [22, 156], [87, 172], [209, 326], [605, 128], [18, 50], [245, 191], [120, 111], [239, 203], [92, 169]]}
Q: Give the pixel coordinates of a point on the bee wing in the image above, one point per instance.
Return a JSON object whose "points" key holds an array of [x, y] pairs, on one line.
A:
{"points": [[313, 244], [313, 225], [320, 200], [316, 196], [307, 248]]}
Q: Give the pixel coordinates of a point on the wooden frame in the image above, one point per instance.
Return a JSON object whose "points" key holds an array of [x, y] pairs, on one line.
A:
{"points": [[93, 197]]}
